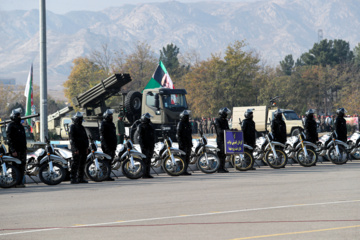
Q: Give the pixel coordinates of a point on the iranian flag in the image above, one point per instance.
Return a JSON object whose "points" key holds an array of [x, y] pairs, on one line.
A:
{"points": [[161, 78], [29, 94]]}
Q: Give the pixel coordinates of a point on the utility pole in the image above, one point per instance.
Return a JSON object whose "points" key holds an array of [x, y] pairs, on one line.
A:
{"points": [[43, 73]]}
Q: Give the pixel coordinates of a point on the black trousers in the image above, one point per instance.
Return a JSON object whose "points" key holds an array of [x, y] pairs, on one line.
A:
{"points": [[221, 154], [78, 166], [148, 152], [187, 150], [21, 155]]}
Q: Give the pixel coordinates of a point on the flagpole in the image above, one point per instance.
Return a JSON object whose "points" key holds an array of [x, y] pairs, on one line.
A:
{"points": [[43, 73]]}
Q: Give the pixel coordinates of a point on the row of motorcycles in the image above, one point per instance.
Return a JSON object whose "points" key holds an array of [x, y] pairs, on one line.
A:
{"points": [[53, 165]]}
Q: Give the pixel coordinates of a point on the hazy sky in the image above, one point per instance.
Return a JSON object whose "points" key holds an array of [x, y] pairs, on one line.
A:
{"points": [[64, 6]]}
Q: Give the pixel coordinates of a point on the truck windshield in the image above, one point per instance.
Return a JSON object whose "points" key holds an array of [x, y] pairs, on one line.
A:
{"points": [[174, 101], [290, 115]]}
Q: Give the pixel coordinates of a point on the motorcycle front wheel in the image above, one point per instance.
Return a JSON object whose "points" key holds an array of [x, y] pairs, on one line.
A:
{"points": [[356, 155], [52, 178], [97, 175], [276, 162], [244, 163], [342, 158], [210, 166], [174, 169], [11, 176], [308, 161], [133, 172]]}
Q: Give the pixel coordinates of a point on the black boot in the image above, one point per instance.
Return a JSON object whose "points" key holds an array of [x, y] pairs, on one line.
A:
{"points": [[186, 173], [82, 180]]}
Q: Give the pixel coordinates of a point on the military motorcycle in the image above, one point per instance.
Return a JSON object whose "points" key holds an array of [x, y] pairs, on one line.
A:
{"points": [[45, 163], [204, 155], [169, 157], [9, 172], [243, 161], [301, 151], [354, 145], [334, 150], [270, 151], [129, 159], [97, 167]]}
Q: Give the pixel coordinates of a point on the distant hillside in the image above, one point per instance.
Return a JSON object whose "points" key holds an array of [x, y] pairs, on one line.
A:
{"points": [[273, 28]]}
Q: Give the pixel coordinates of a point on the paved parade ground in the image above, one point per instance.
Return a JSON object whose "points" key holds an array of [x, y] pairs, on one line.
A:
{"points": [[321, 202]]}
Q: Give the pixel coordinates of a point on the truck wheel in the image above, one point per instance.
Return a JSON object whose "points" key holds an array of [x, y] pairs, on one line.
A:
{"points": [[133, 104], [295, 132]]}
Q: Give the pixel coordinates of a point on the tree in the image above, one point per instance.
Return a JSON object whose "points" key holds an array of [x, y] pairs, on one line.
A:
{"points": [[102, 58], [84, 75], [330, 52], [240, 70], [169, 57], [141, 64], [287, 64], [357, 55]]}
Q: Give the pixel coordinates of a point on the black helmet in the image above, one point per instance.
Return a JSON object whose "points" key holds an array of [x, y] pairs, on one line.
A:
{"points": [[249, 114], [341, 112], [145, 118], [224, 112], [15, 114], [310, 112], [278, 113], [78, 118], [108, 114], [185, 115]]}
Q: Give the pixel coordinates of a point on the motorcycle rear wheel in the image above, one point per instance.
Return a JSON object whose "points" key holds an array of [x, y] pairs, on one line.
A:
{"points": [[213, 166], [246, 163], [176, 170], [54, 178], [97, 175], [133, 173], [278, 162], [11, 177], [310, 160]]}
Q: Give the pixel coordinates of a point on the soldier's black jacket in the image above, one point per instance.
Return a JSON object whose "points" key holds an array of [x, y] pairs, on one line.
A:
{"points": [[183, 133], [278, 129], [310, 128], [16, 137], [249, 131], [340, 127], [221, 124], [78, 138], [108, 135], [146, 136]]}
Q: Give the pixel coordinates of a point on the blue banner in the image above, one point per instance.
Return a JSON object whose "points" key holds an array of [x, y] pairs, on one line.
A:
{"points": [[234, 143]]}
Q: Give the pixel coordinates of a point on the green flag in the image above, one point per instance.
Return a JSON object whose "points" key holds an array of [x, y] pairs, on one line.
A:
{"points": [[160, 78]]}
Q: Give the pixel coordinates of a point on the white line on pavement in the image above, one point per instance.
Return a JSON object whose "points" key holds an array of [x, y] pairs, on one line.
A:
{"points": [[182, 216]]}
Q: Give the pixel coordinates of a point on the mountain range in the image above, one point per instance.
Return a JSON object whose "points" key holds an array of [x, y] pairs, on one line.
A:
{"points": [[273, 28]]}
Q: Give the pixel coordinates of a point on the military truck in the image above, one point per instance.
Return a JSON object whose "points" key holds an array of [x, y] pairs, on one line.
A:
{"points": [[163, 103], [262, 114], [57, 122], [32, 144]]}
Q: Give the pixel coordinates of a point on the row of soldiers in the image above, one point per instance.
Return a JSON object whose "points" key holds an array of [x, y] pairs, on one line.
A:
{"points": [[109, 137]]}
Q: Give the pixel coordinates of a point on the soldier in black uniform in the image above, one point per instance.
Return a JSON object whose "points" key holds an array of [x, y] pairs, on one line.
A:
{"points": [[340, 125], [221, 124], [278, 127], [108, 136], [79, 146], [15, 133], [147, 141], [184, 137], [310, 127], [249, 130]]}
